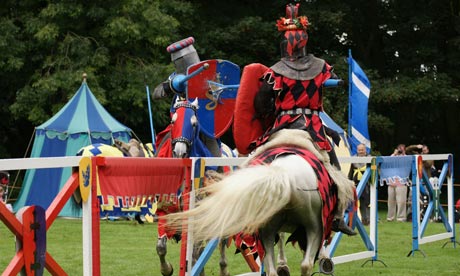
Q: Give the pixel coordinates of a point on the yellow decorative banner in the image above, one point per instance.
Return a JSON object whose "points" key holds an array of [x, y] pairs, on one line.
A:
{"points": [[85, 172], [373, 170]]}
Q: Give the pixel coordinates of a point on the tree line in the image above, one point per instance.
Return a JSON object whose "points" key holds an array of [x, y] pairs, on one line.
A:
{"points": [[408, 49]]}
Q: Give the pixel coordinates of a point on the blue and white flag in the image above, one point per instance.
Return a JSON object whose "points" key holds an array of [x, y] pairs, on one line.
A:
{"points": [[358, 100]]}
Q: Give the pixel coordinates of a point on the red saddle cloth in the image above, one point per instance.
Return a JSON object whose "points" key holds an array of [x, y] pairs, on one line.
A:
{"points": [[163, 143], [164, 149], [326, 188]]}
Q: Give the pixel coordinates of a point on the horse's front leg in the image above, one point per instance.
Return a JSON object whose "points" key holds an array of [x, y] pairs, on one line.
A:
{"points": [[314, 237], [282, 269], [223, 258], [166, 268]]}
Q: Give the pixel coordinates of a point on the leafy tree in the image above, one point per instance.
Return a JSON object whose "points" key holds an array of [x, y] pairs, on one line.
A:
{"points": [[119, 44], [409, 50]]}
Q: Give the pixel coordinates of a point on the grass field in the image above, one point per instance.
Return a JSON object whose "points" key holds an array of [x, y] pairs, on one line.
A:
{"points": [[128, 248]]}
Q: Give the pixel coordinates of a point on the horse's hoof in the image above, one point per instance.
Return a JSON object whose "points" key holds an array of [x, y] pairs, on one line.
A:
{"points": [[283, 270], [326, 266], [224, 271], [167, 270]]}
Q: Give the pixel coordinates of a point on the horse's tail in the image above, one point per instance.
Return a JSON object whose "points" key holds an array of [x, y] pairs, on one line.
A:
{"points": [[241, 202]]}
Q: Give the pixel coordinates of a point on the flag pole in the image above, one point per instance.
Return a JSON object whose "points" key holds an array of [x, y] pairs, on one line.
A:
{"points": [[349, 92], [151, 118]]}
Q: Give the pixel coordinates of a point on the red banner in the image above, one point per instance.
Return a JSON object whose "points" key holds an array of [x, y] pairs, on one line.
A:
{"points": [[132, 183]]}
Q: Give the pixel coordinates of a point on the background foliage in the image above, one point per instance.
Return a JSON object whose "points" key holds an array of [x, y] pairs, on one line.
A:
{"points": [[409, 50]]}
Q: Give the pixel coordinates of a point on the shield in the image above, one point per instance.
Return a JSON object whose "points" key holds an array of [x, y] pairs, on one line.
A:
{"points": [[216, 89], [245, 128], [85, 176]]}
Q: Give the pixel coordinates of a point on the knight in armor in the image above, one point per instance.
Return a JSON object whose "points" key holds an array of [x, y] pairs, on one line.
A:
{"points": [[291, 96], [183, 55]]}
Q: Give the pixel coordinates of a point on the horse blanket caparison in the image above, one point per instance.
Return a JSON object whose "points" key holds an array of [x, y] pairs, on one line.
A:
{"points": [[326, 188]]}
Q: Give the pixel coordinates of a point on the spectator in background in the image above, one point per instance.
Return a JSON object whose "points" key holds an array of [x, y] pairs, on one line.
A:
{"points": [[428, 165], [356, 172], [2, 194], [414, 149], [399, 150], [397, 192]]}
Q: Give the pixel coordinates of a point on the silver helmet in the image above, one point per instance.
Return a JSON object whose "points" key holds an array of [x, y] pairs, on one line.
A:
{"points": [[183, 54]]}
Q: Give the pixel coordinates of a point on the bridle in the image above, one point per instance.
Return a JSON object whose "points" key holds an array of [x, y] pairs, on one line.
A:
{"points": [[188, 138]]}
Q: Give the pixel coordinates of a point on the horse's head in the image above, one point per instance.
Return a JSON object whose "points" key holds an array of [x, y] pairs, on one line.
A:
{"points": [[184, 124]]}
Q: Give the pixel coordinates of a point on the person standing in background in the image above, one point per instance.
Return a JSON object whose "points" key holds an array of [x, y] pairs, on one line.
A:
{"points": [[356, 172], [399, 150], [397, 192], [2, 194], [428, 165]]}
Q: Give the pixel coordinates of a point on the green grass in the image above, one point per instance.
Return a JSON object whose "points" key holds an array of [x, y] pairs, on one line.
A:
{"points": [[129, 249]]}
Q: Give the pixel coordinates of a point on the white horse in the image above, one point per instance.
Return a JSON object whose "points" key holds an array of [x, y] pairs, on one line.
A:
{"points": [[284, 187]]}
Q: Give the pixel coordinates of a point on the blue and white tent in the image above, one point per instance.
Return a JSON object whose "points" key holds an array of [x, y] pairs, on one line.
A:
{"points": [[81, 122]]}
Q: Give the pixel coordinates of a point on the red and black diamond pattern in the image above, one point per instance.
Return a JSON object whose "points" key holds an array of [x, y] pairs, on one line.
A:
{"points": [[294, 94], [296, 40]]}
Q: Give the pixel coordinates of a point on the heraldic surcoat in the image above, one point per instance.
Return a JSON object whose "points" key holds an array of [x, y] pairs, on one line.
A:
{"points": [[298, 97]]}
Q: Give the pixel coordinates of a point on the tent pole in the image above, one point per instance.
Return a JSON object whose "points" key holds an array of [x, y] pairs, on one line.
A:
{"points": [[17, 173]]}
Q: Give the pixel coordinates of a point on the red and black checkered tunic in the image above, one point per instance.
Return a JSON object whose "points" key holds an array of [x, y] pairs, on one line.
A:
{"points": [[292, 94]]}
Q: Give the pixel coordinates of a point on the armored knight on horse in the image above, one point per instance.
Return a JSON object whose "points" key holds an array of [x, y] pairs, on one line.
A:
{"points": [[213, 82], [204, 95], [289, 95]]}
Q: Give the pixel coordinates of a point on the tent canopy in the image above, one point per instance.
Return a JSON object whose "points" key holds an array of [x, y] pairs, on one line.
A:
{"points": [[83, 114], [81, 122], [343, 149]]}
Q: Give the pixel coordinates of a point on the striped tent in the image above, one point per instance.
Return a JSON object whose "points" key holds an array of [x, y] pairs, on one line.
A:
{"points": [[81, 122], [343, 149]]}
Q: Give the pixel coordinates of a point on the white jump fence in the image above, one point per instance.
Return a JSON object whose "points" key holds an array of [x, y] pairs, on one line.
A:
{"points": [[420, 182]]}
